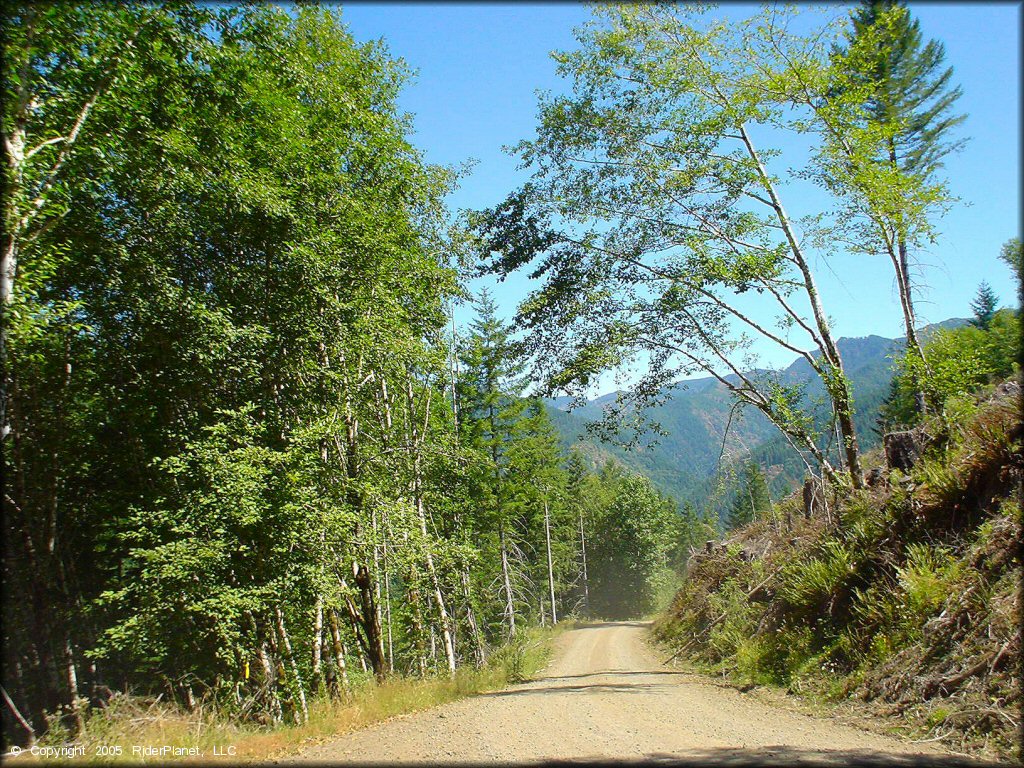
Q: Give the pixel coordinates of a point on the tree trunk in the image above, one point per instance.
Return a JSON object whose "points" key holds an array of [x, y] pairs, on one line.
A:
{"points": [[834, 378], [474, 629], [551, 570], [433, 645], [316, 684], [73, 712], [506, 583], [375, 575], [417, 440], [586, 579], [901, 265], [387, 609], [367, 619], [446, 635], [339, 650], [300, 691], [843, 401], [417, 622], [29, 731], [273, 701]]}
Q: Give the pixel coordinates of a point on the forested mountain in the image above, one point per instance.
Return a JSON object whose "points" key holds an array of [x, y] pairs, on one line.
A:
{"points": [[684, 462]]}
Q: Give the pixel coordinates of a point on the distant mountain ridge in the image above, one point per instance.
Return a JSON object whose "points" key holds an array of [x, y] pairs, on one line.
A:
{"points": [[684, 463]]}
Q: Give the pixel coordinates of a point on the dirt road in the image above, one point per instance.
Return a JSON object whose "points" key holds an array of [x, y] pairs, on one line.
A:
{"points": [[605, 696]]}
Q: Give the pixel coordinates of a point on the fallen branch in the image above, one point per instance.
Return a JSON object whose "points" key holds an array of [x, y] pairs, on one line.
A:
{"points": [[19, 717], [927, 741], [949, 684]]}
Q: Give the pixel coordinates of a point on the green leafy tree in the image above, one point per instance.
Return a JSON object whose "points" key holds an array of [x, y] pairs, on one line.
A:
{"points": [[1013, 255], [223, 328], [960, 362], [890, 119], [631, 548], [658, 222]]}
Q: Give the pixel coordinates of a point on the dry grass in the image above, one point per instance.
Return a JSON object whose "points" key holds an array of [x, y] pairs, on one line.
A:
{"points": [[132, 721]]}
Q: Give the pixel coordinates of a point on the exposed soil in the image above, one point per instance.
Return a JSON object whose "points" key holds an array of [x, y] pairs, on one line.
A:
{"points": [[606, 696]]}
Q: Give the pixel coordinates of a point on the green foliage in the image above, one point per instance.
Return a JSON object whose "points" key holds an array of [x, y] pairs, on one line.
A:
{"points": [[656, 219], [1013, 254], [959, 362], [915, 586], [906, 89], [984, 306], [811, 583], [632, 540], [232, 441], [927, 578], [752, 500]]}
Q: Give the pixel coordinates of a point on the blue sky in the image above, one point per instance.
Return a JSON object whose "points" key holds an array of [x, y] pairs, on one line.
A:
{"points": [[479, 65]]}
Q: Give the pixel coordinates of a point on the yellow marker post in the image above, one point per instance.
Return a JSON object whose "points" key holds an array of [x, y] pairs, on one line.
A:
{"points": [[246, 668]]}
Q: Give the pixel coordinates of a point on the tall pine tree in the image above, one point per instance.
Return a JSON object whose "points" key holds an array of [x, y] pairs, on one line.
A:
{"points": [[752, 499], [984, 306], [909, 99]]}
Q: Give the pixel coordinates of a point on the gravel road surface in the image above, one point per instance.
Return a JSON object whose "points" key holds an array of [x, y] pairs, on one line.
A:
{"points": [[605, 696]]}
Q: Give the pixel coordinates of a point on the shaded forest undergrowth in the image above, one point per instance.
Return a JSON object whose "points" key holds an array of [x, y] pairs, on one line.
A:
{"points": [[903, 599]]}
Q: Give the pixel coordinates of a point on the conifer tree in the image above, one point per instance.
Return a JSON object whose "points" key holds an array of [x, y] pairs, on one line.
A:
{"points": [[984, 306], [490, 409], [752, 499], [909, 101]]}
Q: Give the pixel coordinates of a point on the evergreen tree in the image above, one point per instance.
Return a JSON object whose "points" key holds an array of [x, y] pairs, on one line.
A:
{"points": [[752, 499], [984, 306], [536, 496], [908, 103], [910, 91], [491, 411]]}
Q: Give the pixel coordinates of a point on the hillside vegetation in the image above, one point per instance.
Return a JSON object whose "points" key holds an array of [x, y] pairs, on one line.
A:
{"points": [[255, 473], [905, 595]]}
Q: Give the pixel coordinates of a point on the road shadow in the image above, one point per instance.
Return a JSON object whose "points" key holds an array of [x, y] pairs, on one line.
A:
{"points": [[606, 624], [591, 688], [779, 756], [549, 685], [735, 757], [618, 673]]}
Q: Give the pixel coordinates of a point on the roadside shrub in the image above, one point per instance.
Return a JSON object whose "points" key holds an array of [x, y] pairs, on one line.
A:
{"points": [[956, 362], [731, 632], [810, 583], [774, 658], [927, 578]]}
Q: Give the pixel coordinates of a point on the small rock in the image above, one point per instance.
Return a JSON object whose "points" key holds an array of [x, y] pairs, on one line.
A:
{"points": [[1009, 388]]}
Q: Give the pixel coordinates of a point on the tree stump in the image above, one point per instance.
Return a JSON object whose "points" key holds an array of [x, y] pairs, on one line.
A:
{"points": [[812, 498], [903, 449]]}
